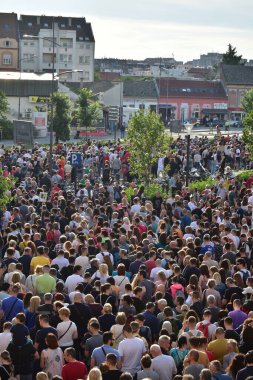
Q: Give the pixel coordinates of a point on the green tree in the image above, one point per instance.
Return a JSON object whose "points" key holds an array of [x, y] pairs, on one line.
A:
{"points": [[88, 110], [61, 116], [3, 105], [147, 140], [247, 104], [231, 57], [6, 184]]}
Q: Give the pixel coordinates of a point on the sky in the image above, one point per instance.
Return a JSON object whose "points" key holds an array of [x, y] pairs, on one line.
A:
{"points": [[137, 29]]}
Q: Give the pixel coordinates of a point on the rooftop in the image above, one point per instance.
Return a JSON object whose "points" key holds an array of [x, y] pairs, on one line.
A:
{"points": [[8, 25], [237, 74], [140, 89]]}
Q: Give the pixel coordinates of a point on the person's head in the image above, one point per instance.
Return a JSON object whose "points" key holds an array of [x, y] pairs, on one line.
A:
{"points": [[111, 360], [146, 361], [205, 374], [34, 304], [48, 298], [207, 315], [164, 342], [237, 363], [193, 356], [192, 322], [41, 376], [64, 313], [95, 374], [215, 366], [182, 342], [231, 345], [249, 358], [237, 304], [211, 301], [5, 357], [220, 333], [94, 327], [51, 341], [20, 318], [127, 331], [7, 326], [44, 320], [155, 350], [121, 318], [70, 354], [108, 338], [228, 323]]}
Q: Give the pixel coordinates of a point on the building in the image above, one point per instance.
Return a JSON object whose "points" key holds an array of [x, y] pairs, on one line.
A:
{"points": [[237, 80], [73, 49], [207, 60], [28, 97], [184, 100], [8, 41]]}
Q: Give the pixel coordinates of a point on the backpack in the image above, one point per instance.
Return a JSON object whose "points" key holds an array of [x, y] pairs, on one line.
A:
{"points": [[245, 276], [107, 261], [204, 328]]}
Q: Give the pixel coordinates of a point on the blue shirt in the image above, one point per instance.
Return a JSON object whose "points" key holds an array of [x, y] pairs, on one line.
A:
{"points": [[8, 305], [100, 353]]}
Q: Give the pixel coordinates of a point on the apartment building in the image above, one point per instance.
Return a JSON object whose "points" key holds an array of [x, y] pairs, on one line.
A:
{"points": [[8, 41], [73, 47]]}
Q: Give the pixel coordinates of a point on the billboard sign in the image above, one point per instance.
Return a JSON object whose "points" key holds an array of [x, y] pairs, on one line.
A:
{"points": [[23, 132]]}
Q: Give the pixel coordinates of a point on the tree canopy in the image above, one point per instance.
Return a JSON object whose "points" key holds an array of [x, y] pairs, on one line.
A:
{"points": [[147, 140], [231, 57], [88, 111], [247, 104], [61, 116]]}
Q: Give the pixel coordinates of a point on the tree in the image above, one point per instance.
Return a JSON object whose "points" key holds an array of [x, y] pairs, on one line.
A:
{"points": [[3, 105], [247, 104], [147, 140], [231, 57], [88, 111], [61, 116], [6, 184]]}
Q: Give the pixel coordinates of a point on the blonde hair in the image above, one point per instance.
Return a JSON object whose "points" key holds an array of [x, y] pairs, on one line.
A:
{"points": [[41, 376], [16, 277], [34, 304], [38, 269], [65, 312], [107, 308], [89, 299], [103, 268], [11, 267], [217, 278], [95, 374]]}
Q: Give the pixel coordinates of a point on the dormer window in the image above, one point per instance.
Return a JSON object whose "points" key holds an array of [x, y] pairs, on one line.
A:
{"points": [[80, 38], [29, 24], [46, 25]]}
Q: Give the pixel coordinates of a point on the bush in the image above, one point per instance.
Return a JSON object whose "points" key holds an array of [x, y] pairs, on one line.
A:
{"points": [[244, 175], [7, 127], [149, 191], [201, 185]]}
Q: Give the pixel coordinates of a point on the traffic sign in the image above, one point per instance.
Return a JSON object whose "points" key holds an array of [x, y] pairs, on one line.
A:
{"points": [[76, 159]]}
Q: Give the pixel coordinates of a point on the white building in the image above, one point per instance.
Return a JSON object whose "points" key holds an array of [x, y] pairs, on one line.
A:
{"points": [[73, 47]]}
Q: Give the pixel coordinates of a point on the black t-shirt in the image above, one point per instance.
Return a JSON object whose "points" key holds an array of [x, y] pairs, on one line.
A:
{"points": [[22, 358], [40, 337], [138, 304], [25, 260], [5, 371], [232, 334], [233, 290], [80, 314], [112, 375]]}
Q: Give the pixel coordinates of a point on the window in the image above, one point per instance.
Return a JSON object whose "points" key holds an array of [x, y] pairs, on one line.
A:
{"points": [[70, 58], [31, 43], [25, 43], [63, 25], [86, 75], [63, 58], [6, 59], [87, 60], [78, 26], [25, 56], [88, 46], [30, 24], [46, 25], [81, 46], [87, 39], [7, 43], [80, 38], [81, 59]]}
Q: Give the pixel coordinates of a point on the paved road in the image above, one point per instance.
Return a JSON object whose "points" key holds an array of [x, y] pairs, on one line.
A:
{"points": [[196, 131]]}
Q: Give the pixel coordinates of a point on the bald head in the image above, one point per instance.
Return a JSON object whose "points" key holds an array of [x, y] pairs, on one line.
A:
{"points": [[155, 350]]}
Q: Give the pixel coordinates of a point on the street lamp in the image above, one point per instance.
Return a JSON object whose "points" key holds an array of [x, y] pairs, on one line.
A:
{"points": [[188, 127], [54, 43]]}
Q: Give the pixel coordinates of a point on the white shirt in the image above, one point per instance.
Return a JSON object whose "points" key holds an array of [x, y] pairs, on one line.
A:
{"points": [[67, 339], [135, 209], [121, 281], [72, 281], [61, 261], [83, 261], [5, 338], [154, 271], [131, 351], [100, 257], [165, 366]]}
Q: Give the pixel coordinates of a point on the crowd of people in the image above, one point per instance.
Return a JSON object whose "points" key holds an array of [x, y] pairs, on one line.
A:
{"points": [[96, 284]]}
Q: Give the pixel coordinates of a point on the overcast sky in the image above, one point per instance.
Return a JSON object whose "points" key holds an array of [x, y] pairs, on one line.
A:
{"points": [[154, 28]]}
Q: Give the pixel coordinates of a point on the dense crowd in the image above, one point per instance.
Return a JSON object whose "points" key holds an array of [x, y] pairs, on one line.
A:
{"points": [[97, 284]]}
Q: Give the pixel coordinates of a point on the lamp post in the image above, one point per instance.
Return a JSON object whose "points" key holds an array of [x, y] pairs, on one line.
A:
{"points": [[54, 43], [188, 127]]}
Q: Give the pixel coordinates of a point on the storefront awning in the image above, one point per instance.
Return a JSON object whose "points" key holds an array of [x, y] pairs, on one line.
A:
{"points": [[211, 111]]}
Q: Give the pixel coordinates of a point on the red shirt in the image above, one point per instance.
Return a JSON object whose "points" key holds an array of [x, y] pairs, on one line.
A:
{"points": [[74, 371], [150, 264]]}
